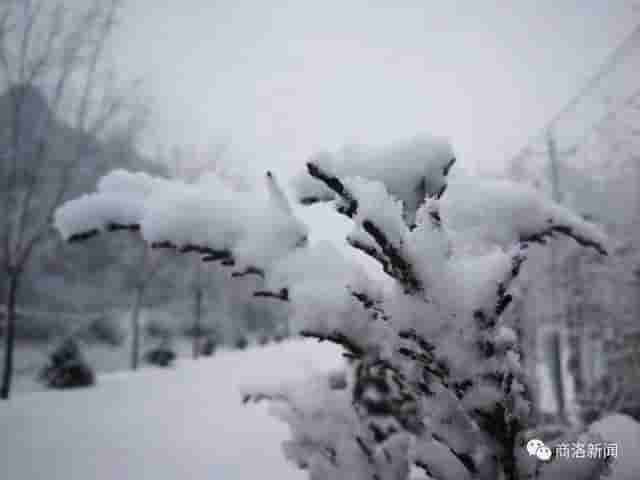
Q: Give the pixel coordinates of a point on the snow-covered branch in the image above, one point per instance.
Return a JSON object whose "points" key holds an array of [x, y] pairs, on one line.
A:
{"points": [[505, 213], [386, 252], [570, 231], [338, 338], [246, 230], [336, 185], [412, 170]]}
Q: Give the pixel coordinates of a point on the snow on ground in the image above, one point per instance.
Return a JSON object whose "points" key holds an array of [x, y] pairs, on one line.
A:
{"points": [[625, 432], [187, 423], [162, 424]]}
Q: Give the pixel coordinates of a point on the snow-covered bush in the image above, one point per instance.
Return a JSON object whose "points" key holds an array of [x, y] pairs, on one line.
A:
{"points": [[432, 382], [67, 367], [209, 346], [161, 355], [241, 343]]}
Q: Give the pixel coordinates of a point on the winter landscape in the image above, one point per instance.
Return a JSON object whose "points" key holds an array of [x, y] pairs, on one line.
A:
{"points": [[356, 240]]}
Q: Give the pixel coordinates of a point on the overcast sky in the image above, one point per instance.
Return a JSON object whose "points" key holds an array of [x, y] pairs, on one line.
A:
{"points": [[283, 79]]}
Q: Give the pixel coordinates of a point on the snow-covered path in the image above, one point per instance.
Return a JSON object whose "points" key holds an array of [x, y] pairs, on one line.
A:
{"points": [[183, 423]]}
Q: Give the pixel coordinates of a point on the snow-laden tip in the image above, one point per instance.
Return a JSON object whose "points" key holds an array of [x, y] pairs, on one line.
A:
{"points": [[255, 226], [502, 212], [410, 169]]}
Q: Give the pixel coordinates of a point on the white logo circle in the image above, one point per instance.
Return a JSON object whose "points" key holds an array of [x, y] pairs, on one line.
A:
{"points": [[544, 453], [533, 445], [537, 448]]}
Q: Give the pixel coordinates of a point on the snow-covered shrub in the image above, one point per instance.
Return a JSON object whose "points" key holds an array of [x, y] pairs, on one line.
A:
{"points": [[67, 367], [161, 356], [432, 382], [209, 346], [241, 343]]}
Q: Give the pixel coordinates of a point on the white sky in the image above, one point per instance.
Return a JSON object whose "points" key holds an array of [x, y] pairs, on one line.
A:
{"points": [[283, 79]]}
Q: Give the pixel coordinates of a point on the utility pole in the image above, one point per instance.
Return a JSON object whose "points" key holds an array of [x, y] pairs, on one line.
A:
{"points": [[558, 344], [565, 329]]}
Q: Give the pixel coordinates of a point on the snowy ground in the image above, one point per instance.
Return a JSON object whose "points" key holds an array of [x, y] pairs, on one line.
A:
{"points": [[31, 357], [622, 430], [183, 423]]}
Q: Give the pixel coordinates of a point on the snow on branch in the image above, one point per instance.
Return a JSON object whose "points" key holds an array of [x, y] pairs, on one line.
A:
{"points": [[336, 185], [411, 170], [570, 231], [401, 267], [338, 338], [369, 303], [209, 218], [504, 213], [380, 216], [366, 246]]}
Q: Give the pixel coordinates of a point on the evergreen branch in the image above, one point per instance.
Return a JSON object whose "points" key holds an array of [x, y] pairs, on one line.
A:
{"points": [[209, 254], [543, 236], [371, 251], [369, 303], [398, 267], [336, 185], [402, 269], [338, 338]]}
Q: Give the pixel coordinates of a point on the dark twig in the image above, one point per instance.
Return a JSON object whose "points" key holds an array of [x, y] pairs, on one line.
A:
{"points": [[249, 271], [541, 238], [369, 303], [282, 294], [82, 236], [372, 251], [209, 254], [337, 338], [401, 267], [113, 227], [336, 185]]}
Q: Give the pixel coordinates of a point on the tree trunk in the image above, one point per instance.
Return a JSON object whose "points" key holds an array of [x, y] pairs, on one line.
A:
{"points": [[557, 372], [135, 328], [197, 327], [10, 335]]}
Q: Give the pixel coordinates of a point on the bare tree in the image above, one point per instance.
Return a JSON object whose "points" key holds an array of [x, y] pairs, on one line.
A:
{"points": [[60, 53], [198, 292], [148, 268]]}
